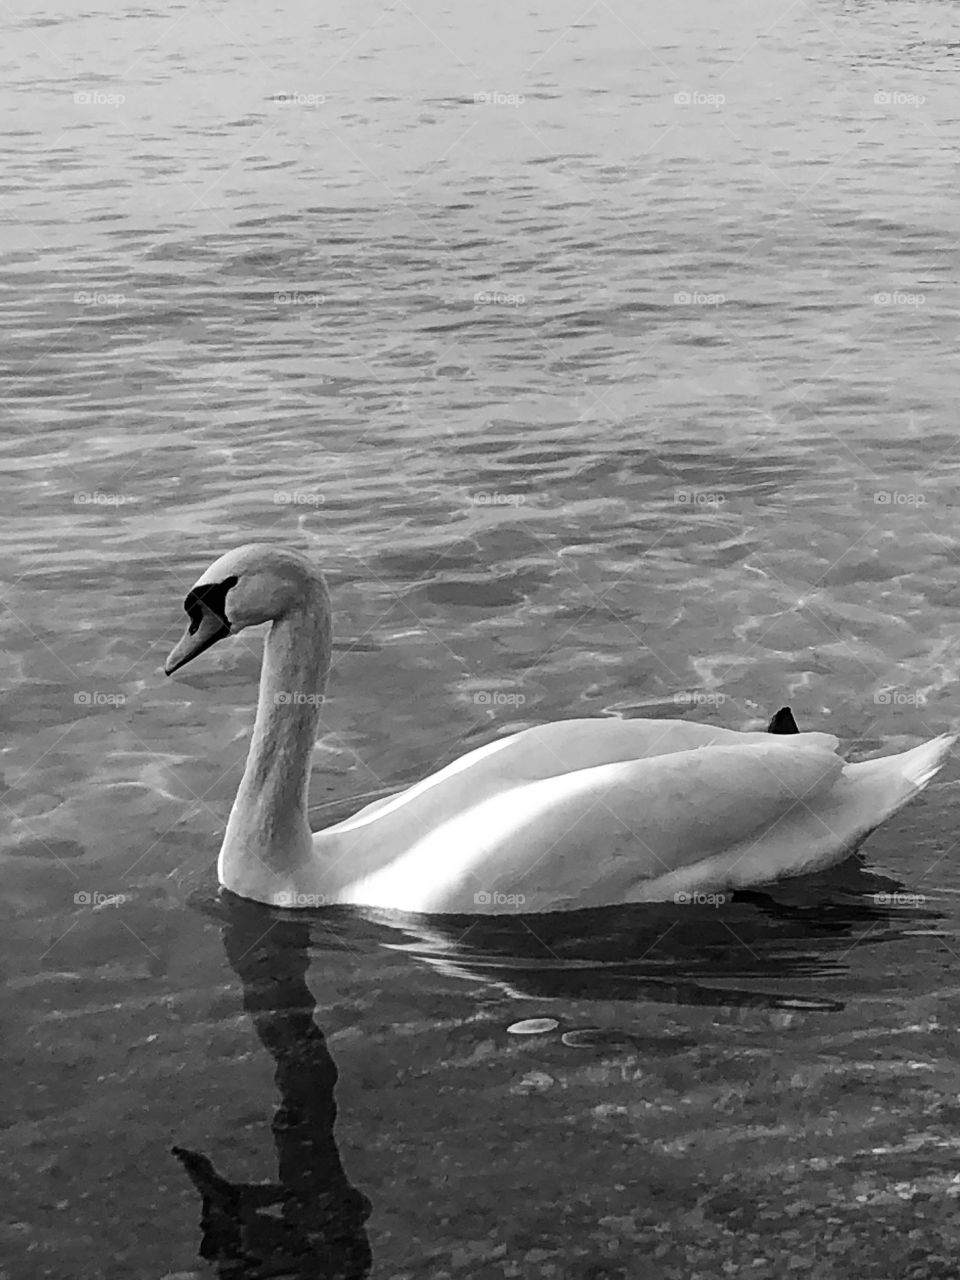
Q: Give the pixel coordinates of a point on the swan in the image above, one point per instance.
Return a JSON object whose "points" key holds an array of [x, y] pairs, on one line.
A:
{"points": [[572, 814]]}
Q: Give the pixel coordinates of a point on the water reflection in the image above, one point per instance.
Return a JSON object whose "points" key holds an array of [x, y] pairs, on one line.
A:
{"points": [[690, 954], [759, 949], [311, 1222]]}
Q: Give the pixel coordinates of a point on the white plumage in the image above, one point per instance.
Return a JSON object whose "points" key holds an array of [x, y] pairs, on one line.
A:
{"points": [[578, 813]]}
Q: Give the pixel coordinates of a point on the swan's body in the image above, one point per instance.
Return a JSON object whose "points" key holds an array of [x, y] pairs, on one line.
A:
{"points": [[578, 813]]}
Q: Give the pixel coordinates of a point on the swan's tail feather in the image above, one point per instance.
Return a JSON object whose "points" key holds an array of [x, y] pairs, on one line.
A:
{"points": [[922, 763], [912, 770], [883, 786]]}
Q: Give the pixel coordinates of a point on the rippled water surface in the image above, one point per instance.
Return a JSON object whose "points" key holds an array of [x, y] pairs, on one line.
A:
{"points": [[605, 357]]}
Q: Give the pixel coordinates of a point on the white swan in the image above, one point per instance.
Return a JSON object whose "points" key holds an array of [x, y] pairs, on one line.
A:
{"points": [[578, 813]]}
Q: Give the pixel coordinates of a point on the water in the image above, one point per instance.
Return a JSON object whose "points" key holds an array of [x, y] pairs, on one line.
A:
{"points": [[597, 402]]}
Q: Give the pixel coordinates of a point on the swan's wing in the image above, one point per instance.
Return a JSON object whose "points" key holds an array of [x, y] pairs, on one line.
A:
{"points": [[589, 837], [567, 745], [550, 751]]}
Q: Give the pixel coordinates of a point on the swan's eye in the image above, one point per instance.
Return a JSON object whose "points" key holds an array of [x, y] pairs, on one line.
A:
{"points": [[212, 596]]}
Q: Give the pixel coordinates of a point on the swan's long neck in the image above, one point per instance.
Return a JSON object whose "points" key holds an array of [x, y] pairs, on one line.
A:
{"points": [[268, 837]]}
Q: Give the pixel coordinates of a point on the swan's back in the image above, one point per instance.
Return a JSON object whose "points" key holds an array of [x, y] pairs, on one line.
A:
{"points": [[548, 751], [573, 793]]}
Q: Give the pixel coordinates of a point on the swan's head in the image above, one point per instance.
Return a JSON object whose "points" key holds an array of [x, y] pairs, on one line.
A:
{"points": [[249, 585]]}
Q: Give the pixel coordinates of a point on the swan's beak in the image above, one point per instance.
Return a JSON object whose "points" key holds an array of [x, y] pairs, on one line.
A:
{"points": [[210, 630]]}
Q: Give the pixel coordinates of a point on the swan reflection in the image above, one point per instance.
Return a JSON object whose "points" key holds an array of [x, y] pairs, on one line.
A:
{"points": [[311, 1221], [727, 955], [739, 953]]}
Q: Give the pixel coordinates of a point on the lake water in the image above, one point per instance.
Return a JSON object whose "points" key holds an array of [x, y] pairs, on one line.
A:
{"points": [[606, 359]]}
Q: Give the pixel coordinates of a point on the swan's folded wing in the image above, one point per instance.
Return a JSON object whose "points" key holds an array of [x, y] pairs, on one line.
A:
{"points": [[588, 837], [552, 751], [568, 745], [652, 816]]}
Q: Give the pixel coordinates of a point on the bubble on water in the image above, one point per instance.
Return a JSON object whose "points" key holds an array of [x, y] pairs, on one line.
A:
{"points": [[533, 1026], [619, 1038], [591, 1037], [809, 1004], [616, 1037]]}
